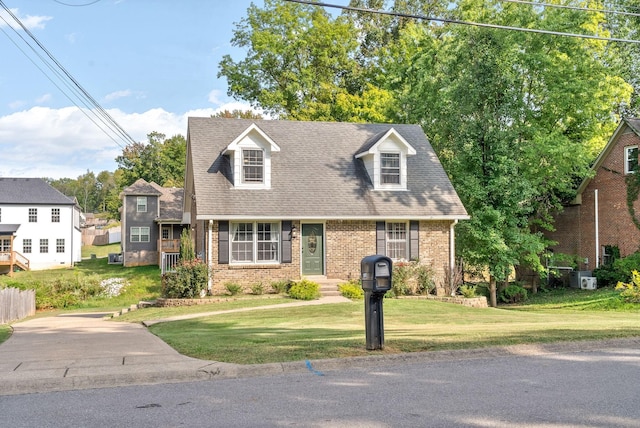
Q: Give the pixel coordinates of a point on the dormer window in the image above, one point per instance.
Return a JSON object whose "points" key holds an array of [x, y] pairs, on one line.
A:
{"points": [[389, 168], [385, 158], [250, 155], [252, 166]]}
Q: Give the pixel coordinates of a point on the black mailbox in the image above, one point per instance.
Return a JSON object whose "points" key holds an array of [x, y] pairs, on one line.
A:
{"points": [[376, 273]]}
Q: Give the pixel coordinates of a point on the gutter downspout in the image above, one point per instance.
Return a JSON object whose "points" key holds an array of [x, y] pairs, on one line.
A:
{"points": [[209, 236], [595, 192]]}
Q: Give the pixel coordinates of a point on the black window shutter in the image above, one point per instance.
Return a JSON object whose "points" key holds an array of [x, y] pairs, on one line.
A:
{"points": [[223, 242], [286, 242], [380, 238], [414, 240]]}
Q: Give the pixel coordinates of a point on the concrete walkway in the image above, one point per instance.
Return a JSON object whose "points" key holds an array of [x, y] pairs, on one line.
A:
{"points": [[78, 351], [82, 351]]}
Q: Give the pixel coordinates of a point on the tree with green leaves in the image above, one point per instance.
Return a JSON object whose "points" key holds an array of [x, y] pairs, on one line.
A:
{"points": [[160, 159]]}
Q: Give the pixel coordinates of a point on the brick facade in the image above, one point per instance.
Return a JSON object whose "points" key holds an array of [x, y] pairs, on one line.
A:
{"points": [[576, 226], [346, 243]]}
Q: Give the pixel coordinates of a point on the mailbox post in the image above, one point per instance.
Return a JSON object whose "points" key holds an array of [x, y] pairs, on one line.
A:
{"points": [[376, 275]]}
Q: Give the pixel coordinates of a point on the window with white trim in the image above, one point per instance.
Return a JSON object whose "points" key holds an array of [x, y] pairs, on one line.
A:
{"points": [[26, 246], [44, 246], [60, 245], [5, 245], [389, 168], [141, 204], [139, 234], [55, 215], [630, 159], [397, 241], [33, 215], [252, 166], [255, 242]]}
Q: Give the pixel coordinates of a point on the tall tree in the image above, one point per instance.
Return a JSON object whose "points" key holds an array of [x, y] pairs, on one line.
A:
{"points": [[300, 65], [160, 160]]}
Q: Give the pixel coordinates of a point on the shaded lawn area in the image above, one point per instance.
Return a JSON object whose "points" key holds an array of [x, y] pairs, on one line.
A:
{"points": [[337, 330], [5, 332]]}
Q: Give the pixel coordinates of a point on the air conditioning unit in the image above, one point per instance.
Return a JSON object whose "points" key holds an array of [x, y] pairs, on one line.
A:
{"points": [[576, 277], [588, 283]]}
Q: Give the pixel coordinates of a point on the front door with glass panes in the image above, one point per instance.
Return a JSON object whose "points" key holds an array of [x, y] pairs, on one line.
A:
{"points": [[312, 249]]}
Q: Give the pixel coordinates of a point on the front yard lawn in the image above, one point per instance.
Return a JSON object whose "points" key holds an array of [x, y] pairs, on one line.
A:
{"points": [[337, 330]]}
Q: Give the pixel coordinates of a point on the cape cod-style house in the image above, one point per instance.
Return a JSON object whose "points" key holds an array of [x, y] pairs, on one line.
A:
{"points": [[272, 200], [39, 226]]}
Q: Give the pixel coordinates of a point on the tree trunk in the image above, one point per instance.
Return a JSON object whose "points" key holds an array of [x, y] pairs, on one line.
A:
{"points": [[492, 292]]}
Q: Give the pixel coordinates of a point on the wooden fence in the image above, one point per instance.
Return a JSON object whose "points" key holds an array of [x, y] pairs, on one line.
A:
{"points": [[16, 304]]}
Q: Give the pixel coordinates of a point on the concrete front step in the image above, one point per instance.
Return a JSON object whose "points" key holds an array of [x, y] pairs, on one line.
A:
{"points": [[328, 286]]}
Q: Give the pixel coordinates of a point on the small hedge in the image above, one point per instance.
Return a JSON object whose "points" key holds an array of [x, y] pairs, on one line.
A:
{"points": [[351, 289], [513, 294], [188, 281], [305, 290]]}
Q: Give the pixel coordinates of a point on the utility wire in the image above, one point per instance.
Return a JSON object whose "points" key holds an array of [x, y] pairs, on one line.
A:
{"points": [[65, 76], [460, 22], [561, 6]]}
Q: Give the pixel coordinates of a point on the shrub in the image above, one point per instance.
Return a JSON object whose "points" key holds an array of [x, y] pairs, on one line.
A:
{"points": [[282, 286], [630, 291], [402, 272], [468, 291], [233, 288], [513, 294], [425, 279], [189, 280], [351, 289], [257, 288], [305, 290], [619, 271]]}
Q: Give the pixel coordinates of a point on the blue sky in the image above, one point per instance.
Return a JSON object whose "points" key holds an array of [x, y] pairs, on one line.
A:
{"points": [[149, 63]]}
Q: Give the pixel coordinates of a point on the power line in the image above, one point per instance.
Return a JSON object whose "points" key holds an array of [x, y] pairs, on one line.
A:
{"points": [[65, 76], [561, 6], [460, 22]]}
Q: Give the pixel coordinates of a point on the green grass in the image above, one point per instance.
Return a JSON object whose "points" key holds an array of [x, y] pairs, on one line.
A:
{"points": [[337, 330], [5, 332], [143, 282], [218, 303], [99, 250]]}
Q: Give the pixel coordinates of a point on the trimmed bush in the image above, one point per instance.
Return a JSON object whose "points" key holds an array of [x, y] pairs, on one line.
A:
{"points": [[513, 294], [188, 281], [351, 289], [468, 291], [282, 286], [257, 288], [630, 291], [305, 290], [233, 288]]}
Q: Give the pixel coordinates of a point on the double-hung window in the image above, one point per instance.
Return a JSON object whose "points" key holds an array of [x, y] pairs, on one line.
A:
{"points": [[33, 215], [44, 246], [139, 234], [59, 245], [252, 166], [390, 168], [141, 204], [630, 159], [55, 215], [255, 242], [26, 246], [396, 240]]}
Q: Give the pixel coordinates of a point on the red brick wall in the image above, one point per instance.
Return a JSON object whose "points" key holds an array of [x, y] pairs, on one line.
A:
{"points": [[575, 227], [346, 243]]}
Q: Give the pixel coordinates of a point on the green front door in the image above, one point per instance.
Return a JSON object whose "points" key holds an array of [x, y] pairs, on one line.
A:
{"points": [[312, 249]]}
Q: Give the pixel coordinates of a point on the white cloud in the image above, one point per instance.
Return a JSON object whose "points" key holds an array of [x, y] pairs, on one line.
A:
{"points": [[29, 21], [118, 94], [214, 97], [64, 143], [44, 99]]}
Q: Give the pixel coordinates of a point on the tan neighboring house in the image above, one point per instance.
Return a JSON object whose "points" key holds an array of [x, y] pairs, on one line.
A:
{"points": [[598, 217], [151, 224], [273, 200]]}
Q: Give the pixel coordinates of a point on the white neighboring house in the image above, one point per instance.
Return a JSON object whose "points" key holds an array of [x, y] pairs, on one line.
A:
{"points": [[39, 226]]}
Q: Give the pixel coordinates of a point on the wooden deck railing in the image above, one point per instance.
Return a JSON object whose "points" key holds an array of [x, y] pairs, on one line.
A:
{"points": [[14, 258]]}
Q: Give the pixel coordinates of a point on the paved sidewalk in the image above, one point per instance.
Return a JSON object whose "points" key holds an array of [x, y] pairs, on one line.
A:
{"points": [[83, 351]]}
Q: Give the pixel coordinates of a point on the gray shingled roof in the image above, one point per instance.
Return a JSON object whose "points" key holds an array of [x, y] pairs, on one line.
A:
{"points": [[34, 191], [170, 197], [142, 188], [315, 173]]}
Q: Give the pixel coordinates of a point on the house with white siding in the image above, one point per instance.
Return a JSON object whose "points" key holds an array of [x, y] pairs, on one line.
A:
{"points": [[39, 226]]}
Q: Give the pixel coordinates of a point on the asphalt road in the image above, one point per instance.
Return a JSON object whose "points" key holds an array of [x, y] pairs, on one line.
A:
{"points": [[571, 388]]}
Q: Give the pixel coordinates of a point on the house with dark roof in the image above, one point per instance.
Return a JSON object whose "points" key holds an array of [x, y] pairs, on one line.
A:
{"points": [[151, 224], [271, 200], [598, 218], [39, 226]]}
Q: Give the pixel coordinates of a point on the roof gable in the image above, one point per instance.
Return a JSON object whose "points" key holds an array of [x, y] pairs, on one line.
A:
{"points": [[375, 144], [253, 129], [34, 191], [315, 175]]}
